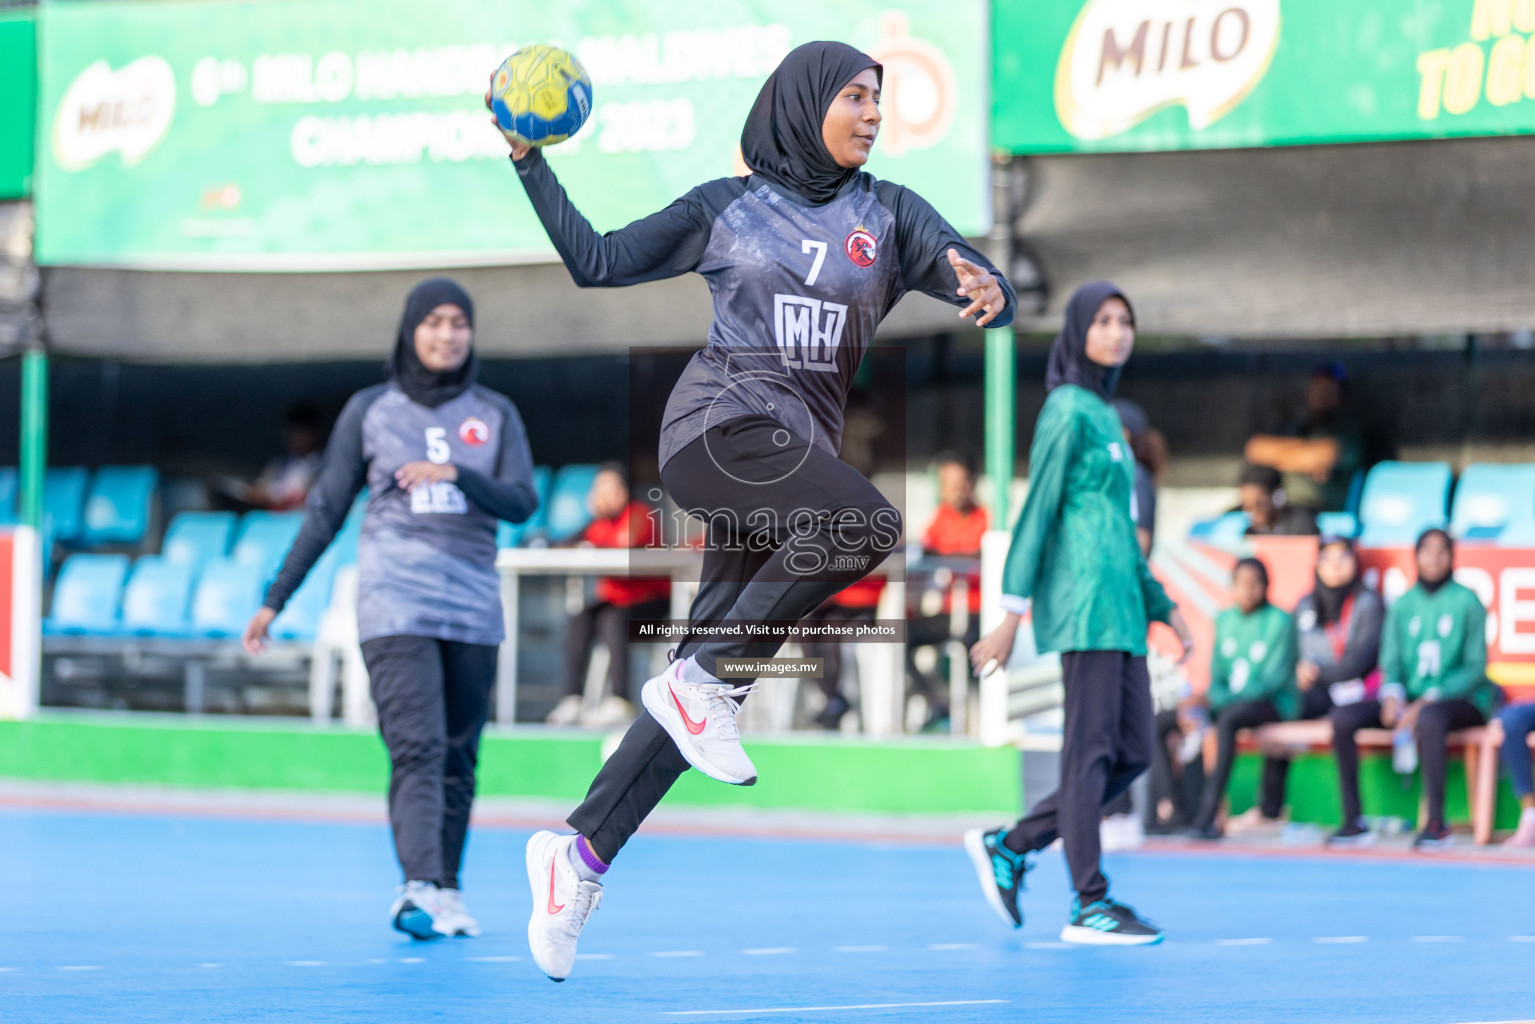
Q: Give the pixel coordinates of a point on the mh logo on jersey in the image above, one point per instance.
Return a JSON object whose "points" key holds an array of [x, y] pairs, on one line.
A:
{"points": [[809, 331], [473, 432], [860, 247]]}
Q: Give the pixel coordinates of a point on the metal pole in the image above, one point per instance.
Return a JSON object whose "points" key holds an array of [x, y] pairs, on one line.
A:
{"points": [[34, 436], [1001, 392]]}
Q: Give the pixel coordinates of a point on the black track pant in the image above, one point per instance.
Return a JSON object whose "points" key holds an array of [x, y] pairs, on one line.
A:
{"points": [[788, 526], [608, 623], [1106, 743], [432, 698], [1435, 723], [1238, 715]]}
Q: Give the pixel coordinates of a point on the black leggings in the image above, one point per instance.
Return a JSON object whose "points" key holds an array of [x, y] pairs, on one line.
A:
{"points": [[1106, 742], [789, 525], [1238, 715], [608, 623], [432, 698], [1435, 723]]}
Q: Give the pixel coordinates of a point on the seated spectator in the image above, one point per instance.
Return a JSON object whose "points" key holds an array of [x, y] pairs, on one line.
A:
{"points": [[284, 484], [1319, 452], [854, 604], [1518, 721], [1433, 661], [1149, 448], [1252, 683], [618, 523], [955, 532], [1268, 514]]}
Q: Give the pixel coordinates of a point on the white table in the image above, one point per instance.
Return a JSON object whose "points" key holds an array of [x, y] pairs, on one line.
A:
{"points": [[681, 564], [886, 662]]}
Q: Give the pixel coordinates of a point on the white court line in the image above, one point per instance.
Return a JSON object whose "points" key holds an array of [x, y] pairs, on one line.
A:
{"points": [[1521, 938], [6, 970], [768, 951], [1243, 942], [80, 967], [1340, 940], [1504, 1022], [953, 945], [853, 1006], [594, 956], [1439, 938], [490, 959], [305, 963], [377, 960], [1049, 945], [210, 966], [863, 949], [412, 959], [679, 952]]}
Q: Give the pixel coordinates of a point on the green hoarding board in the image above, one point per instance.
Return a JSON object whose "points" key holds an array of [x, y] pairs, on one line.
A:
{"points": [[331, 134], [1129, 75], [18, 101]]}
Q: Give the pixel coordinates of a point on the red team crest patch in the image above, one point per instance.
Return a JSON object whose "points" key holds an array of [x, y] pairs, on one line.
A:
{"points": [[860, 247], [473, 432]]}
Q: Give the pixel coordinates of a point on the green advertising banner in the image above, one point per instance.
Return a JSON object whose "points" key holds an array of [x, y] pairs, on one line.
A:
{"points": [[332, 134], [1130, 75], [18, 101]]}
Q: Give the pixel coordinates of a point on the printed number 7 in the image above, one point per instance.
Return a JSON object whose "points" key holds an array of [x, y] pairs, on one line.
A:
{"points": [[820, 257]]}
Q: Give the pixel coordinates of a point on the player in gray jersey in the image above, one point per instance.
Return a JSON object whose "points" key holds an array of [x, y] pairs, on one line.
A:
{"points": [[443, 460], [804, 257]]}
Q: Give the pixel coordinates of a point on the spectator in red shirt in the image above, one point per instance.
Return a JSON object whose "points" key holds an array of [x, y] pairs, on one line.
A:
{"points": [[618, 522], [954, 535]]}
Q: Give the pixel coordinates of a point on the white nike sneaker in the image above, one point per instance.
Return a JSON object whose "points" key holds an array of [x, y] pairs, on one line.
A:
{"points": [[417, 911], [701, 720], [562, 901], [454, 918]]}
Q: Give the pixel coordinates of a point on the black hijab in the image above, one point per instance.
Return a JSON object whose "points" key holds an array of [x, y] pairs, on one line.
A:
{"points": [[781, 141], [421, 385], [1068, 356], [1329, 601], [1433, 585]]}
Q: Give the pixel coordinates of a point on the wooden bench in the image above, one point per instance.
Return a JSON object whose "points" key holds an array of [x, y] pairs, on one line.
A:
{"points": [[1480, 746]]}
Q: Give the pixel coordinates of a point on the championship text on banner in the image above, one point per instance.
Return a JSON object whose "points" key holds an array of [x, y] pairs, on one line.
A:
{"points": [[334, 135]]}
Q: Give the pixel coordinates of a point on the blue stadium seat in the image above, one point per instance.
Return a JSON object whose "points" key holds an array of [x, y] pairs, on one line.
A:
{"points": [[511, 535], [10, 482], [227, 595], [197, 537], [119, 505], [1337, 524], [158, 597], [1401, 500], [264, 539], [567, 512], [64, 501], [1495, 504], [300, 617], [1223, 530], [88, 594]]}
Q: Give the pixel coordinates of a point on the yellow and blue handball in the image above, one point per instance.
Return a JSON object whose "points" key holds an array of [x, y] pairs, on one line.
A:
{"points": [[541, 95]]}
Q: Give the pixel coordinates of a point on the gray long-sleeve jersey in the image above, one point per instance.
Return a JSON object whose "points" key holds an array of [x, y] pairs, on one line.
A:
{"points": [[425, 560], [1361, 647], [798, 289]]}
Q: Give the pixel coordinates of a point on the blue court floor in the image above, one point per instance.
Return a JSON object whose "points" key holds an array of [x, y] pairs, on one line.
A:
{"points": [[128, 918]]}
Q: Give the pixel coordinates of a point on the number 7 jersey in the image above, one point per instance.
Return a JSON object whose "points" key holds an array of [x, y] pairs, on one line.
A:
{"points": [[798, 289]]}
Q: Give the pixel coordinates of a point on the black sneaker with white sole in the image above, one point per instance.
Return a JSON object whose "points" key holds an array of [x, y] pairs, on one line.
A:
{"points": [[1107, 922], [1434, 837], [1000, 870], [1352, 836]]}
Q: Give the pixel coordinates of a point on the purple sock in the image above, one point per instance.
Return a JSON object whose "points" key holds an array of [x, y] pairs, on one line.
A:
{"points": [[589, 857]]}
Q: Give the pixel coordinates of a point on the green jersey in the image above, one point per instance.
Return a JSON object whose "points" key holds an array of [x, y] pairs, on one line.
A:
{"points": [[1254, 659], [1435, 646], [1074, 551]]}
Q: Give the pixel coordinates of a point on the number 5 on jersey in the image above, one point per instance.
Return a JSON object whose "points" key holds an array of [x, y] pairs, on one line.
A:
{"points": [[437, 449]]}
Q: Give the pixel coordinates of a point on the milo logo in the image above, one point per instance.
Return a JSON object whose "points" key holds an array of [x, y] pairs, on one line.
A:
{"points": [[102, 111], [1126, 59]]}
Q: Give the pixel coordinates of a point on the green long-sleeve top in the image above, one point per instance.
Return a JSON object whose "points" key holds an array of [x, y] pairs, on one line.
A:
{"points": [[1074, 552], [1435, 646], [1254, 659]]}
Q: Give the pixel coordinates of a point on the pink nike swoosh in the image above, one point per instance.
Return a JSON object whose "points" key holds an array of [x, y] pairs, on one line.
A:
{"points": [[553, 908], [693, 727]]}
